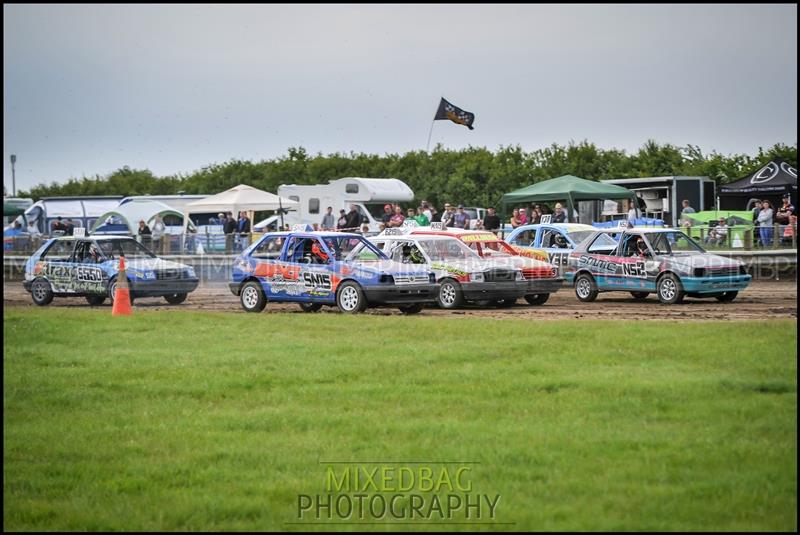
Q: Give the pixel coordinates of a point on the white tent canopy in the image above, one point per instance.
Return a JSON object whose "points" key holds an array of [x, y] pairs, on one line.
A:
{"points": [[239, 198], [126, 217]]}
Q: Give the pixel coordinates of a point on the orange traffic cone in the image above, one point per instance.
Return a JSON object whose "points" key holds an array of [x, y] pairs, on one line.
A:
{"points": [[122, 294]]}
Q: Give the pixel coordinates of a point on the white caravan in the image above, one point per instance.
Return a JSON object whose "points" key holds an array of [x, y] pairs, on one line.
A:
{"points": [[368, 194]]}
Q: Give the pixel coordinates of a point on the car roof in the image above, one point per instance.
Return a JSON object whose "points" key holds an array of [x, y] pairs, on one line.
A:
{"points": [[438, 237], [569, 227], [315, 234], [93, 237]]}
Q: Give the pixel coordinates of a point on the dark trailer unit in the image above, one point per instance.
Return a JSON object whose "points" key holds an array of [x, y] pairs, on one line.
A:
{"points": [[662, 196], [770, 182]]}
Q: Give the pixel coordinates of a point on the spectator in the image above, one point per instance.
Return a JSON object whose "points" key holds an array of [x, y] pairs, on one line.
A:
{"points": [[388, 212], [536, 215], [381, 227], [687, 209], [341, 223], [353, 219], [449, 215], [364, 229], [69, 227], [158, 231], [523, 216], [33, 230], [144, 233], [765, 223], [328, 222], [756, 209], [560, 216], [634, 213], [515, 222], [58, 227], [436, 216], [461, 219], [243, 226], [790, 230], [491, 222], [229, 228], [785, 212], [421, 219], [718, 234], [397, 219], [426, 210]]}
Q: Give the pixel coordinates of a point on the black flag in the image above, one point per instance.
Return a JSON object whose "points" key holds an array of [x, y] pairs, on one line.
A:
{"points": [[455, 114]]}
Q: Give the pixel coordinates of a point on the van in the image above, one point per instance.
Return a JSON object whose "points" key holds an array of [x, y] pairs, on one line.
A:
{"points": [[83, 211], [369, 195]]}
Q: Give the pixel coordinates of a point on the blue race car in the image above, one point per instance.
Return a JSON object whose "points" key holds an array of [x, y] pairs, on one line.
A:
{"points": [[88, 267], [553, 240], [666, 262], [315, 269]]}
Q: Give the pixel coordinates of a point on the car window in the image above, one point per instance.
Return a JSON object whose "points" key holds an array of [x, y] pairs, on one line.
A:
{"points": [[526, 238], [59, 251], [603, 244], [269, 248]]}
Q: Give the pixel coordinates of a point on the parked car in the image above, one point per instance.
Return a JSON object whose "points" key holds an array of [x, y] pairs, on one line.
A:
{"points": [[556, 240], [462, 274], [88, 267], [542, 277], [666, 262], [315, 269]]}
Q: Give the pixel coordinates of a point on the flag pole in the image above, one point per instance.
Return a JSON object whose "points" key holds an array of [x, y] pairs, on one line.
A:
{"points": [[428, 147]]}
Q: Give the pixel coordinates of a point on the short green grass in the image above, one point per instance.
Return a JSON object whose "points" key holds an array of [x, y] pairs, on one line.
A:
{"points": [[198, 421]]}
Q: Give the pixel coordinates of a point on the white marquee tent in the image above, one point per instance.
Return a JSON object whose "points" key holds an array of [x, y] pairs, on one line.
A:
{"points": [[239, 198]]}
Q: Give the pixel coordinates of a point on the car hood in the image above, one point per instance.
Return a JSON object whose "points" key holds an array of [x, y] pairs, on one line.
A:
{"points": [[144, 264], [390, 267], [520, 262], [706, 260]]}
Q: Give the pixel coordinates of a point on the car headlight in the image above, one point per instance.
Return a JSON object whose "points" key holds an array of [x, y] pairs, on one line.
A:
{"points": [[699, 272], [190, 272], [386, 279], [520, 276], [476, 277]]}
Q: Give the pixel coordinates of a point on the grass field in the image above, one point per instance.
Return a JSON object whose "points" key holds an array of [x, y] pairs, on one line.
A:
{"points": [[196, 421]]}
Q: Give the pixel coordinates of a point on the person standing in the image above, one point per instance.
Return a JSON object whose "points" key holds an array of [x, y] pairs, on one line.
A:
{"points": [[353, 219], [158, 235], [515, 221], [397, 219], [144, 233], [523, 216], [448, 217], [69, 227], [341, 223], [436, 216], [461, 218], [229, 228], [765, 223], [491, 222], [328, 222], [560, 216], [244, 229], [421, 218]]}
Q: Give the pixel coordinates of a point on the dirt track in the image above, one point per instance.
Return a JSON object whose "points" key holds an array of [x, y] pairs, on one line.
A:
{"points": [[762, 300]]}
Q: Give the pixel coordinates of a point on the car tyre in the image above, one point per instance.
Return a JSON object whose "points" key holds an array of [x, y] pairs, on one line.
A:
{"points": [[350, 298], [95, 300], [670, 290], [640, 295], [252, 297], [727, 297], [586, 288], [537, 299], [41, 292], [175, 299], [450, 295], [112, 290], [416, 308], [310, 307]]}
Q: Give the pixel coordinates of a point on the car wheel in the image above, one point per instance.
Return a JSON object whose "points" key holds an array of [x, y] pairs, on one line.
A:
{"points": [[95, 300], [537, 299], [640, 295], [112, 290], [585, 288], [252, 297], [41, 292], [505, 303], [310, 307], [175, 299], [670, 289], [450, 295], [416, 308], [350, 298], [727, 297]]}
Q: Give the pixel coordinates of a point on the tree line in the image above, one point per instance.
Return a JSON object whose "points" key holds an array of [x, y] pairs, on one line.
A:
{"points": [[474, 176]]}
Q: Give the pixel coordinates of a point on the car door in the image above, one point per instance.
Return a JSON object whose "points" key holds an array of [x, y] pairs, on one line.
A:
{"points": [[55, 264], [88, 274], [632, 266], [304, 276]]}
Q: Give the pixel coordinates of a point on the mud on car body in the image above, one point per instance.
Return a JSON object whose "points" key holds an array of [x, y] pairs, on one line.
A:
{"points": [[541, 277], [464, 276], [88, 267], [315, 269], [643, 261]]}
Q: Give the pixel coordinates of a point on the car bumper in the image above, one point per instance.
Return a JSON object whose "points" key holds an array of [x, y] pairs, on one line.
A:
{"points": [[235, 287], [475, 291], [401, 293], [543, 286], [27, 285], [697, 285], [155, 288]]}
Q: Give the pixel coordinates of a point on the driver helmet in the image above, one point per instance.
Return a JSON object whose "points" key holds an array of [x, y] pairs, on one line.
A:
{"points": [[94, 252], [317, 251], [561, 241]]}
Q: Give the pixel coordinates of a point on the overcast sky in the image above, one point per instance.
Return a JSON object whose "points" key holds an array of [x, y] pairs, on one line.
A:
{"points": [[88, 89]]}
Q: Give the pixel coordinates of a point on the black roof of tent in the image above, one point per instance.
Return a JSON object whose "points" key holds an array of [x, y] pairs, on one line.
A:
{"points": [[776, 177]]}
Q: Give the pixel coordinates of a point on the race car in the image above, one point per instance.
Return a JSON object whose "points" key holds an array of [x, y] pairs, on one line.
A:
{"points": [[555, 240], [542, 278], [71, 266], [666, 262], [463, 275], [315, 269]]}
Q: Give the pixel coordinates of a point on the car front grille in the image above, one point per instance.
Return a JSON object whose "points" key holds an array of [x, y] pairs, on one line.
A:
{"points": [[411, 279], [727, 271], [539, 273], [499, 275], [171, 274]]}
